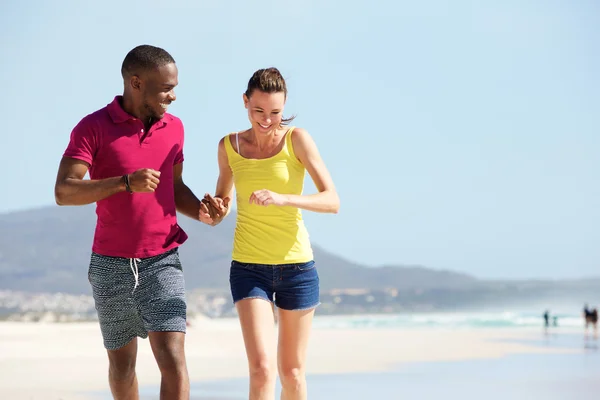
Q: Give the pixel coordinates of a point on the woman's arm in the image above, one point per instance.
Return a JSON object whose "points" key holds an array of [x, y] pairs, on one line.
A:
{"points": [[224, 189], [326, 201]]}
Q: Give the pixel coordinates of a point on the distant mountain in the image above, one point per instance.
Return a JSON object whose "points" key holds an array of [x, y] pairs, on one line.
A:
{"points": [[48, 249]]}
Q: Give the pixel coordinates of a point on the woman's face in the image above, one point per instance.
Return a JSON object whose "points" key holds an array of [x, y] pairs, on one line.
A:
{"points": [[265, 110]]}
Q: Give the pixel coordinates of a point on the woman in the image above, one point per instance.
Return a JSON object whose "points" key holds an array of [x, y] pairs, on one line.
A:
{"points": [[272, 256]]}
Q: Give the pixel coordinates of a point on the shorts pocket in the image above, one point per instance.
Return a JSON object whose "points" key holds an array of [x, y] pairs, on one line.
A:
{"points": [[306, 266], [237, 264]]}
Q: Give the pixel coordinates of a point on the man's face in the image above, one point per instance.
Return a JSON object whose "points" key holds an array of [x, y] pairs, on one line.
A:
{"points": [[157, 90]]}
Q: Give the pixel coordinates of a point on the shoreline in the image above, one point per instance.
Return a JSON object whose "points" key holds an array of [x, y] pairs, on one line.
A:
{"points": [[42, 360]]}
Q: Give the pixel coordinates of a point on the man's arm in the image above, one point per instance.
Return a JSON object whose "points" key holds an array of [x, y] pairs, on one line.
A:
{"points": [[72, 190], [186, 201]]}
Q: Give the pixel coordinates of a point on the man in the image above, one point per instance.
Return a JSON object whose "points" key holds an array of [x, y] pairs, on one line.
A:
{"points": [[133, 150]]}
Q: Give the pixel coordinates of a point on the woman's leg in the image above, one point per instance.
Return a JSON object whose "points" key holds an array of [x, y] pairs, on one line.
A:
{"points": [[294, 332], [297, 296], [258, 329]]}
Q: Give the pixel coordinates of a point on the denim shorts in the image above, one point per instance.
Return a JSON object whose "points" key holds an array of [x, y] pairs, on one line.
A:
{"points": [[288, 286]]}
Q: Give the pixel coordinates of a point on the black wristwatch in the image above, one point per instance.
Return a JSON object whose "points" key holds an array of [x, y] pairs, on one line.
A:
{"points": [[126, 180]]}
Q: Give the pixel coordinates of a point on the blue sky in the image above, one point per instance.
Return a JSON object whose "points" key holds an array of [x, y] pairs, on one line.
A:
{"points": [[461, 135]]}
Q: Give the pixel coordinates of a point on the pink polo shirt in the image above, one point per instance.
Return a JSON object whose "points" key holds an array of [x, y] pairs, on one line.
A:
{"points": [[134, 225]]}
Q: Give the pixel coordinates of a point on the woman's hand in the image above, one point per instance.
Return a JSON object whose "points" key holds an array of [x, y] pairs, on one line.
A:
{"points": [[265, 197]]}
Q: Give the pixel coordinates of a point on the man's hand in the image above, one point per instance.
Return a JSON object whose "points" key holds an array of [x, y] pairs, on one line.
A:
{"points": [[213, 209], [265, 197], [144, 180]]}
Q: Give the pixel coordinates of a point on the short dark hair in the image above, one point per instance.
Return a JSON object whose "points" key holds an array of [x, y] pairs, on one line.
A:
{"points": [[143, 58]]}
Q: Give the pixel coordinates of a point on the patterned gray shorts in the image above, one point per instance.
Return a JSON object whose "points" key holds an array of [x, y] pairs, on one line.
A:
{"points": [[137, 296]]}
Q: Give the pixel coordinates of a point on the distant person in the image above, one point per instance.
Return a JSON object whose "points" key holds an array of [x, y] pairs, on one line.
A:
{"points": [[133, 150], [555, 321], [272, 255], [591, 318], [546, 318]]}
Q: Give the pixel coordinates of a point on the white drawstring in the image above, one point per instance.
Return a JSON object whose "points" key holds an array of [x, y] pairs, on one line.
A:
{"points": [[133, 262]]}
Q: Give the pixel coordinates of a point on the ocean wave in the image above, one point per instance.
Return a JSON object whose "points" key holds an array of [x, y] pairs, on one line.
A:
{"points": [[447, 320]]}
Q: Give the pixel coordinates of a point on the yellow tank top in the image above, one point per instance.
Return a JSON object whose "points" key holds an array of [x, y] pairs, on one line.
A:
{"points": [[272, 234]]}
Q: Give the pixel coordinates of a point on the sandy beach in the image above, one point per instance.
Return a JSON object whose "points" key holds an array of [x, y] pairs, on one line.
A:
{"points": [[54, 361]]}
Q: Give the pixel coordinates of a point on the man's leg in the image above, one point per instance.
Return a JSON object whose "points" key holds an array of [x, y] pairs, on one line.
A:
{"points": [[112, 283], [121, 372], [168, 349], [161, 299]]}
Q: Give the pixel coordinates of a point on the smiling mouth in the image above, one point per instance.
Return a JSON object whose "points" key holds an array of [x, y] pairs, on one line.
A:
{"points": [[264, 126], [164, 106]]}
